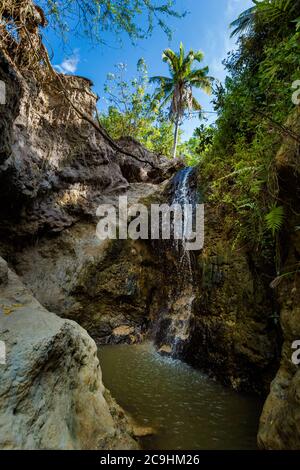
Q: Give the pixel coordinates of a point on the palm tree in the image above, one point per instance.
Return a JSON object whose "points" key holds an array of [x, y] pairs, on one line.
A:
{"points": [[178, 88]]}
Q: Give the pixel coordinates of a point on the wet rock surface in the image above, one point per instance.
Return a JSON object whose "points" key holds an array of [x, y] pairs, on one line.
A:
{"points": [[216, 309], [233, 334]]}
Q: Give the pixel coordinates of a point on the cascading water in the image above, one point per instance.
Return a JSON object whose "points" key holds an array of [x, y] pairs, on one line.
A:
{"points": [[184, 195], [173, 326]]}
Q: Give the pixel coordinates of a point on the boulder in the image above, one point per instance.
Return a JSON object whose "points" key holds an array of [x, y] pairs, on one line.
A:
{"points": [[52, 395]]}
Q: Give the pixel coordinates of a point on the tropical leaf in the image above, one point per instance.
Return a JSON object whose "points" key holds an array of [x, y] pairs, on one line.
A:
{"points": [[274, 219], [297, 21], [181, 54], [196, 105], [171, 58]]}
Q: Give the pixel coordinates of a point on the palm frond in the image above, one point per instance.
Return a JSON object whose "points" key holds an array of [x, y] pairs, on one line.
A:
{"points": [[166, 100], [171, 58], [196, 106], [188, 60], [198, 56], [160, 79], [272, 11], [265, 11], [202, 83], [198, 74], [244, 22], [181, 54], [162, 91]]}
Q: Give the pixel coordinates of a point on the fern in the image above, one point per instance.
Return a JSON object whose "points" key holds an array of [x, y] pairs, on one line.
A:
{"points": [[297, 21], [274, 219]]}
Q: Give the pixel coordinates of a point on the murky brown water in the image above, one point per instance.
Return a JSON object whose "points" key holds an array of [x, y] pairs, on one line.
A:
{"points": [[188, 410]]}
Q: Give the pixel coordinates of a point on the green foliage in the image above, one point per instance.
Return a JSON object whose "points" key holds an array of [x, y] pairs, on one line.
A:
{"points": [[253, 107], [264, 14], [198, 145], [92, 18], [274, 219], [130, 112]]}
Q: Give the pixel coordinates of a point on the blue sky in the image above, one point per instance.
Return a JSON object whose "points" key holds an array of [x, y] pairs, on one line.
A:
{"points": [[206, 27]]}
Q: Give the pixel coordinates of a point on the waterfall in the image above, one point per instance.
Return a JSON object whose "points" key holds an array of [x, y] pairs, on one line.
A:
{"points": [[173, 325], [183, 194]]}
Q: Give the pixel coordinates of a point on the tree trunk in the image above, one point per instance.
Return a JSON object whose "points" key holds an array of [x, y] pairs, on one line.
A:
{"points": [[176, 136]]}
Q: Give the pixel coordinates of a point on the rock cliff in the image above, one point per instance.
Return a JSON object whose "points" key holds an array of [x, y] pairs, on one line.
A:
{"points": [[280, 421]]}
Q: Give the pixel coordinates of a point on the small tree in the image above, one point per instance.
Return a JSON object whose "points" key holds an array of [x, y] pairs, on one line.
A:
{"points": [[130, 112]]}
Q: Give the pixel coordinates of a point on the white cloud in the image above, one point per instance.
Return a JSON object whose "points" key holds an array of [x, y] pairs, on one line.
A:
{"points": [[69, 64]]}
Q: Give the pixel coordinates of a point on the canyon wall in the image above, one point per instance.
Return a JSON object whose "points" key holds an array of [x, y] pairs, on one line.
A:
{"points": [[55, 169]]}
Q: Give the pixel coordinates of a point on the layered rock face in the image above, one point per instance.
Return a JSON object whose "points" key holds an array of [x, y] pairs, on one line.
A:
{"points": [[280, 421], [55, 167], [104, 285], [52, 396], [224, 319]]}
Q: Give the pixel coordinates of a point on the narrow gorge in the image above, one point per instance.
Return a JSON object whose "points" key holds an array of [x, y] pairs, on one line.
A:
{"points": [[186, 340]]}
